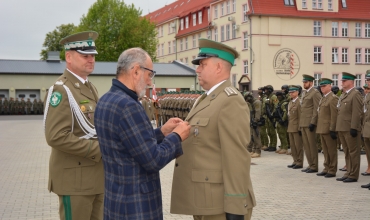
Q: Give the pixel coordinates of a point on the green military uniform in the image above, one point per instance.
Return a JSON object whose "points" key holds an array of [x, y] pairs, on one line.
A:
{"points": [[41, 107], [35, 107], [22, 107], [11, 106], [1, 106], [255, 107], [6, 106], [28, 106], [270, 103], [282, 122], [17, 106], [263, 129]]}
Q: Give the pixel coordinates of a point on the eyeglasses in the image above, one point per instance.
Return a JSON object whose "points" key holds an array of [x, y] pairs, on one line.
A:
{"points": [[152, 72]]}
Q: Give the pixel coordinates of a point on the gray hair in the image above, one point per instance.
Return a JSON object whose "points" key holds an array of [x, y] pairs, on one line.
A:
{"points": [[130, 57]]}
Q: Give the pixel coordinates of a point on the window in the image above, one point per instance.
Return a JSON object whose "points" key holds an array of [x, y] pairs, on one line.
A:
{"points": [[358, 80], [334, 55], [228, 7], [344, 55], [233, 35], [158, 51], [335, 79], [367, 55], [200, 18], [358, 30], [194, 42], [222, 33], [314, 4], [330, 4], [216, 34], [334, 29], [209, 33], [181, 48], [186, 60], [344, 4], [193, 59], [304, 3], [222, 9], [344, 29], [181, 24], [228, 32], [317, 28], [358, 55], [234, 80], [186, 43], [162, 31], [234, 5], [162, 49], [174, 46], [169, 47], [319, 4], [208, 13], [367, 30], [216, 11], [187, 22], [181, 60], [245, 40], [317, 54], [194, 19], [289, 2], [317, 78], [245, 67], [199, 36], [245, 9]]}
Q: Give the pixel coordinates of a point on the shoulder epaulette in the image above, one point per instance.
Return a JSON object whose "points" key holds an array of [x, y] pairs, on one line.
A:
{"points": [[230, 91], [59, 83]]}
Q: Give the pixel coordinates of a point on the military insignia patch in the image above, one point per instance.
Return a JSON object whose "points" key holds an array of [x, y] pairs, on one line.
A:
{"points": [[55, 99], [77, 85], [83, 108]]}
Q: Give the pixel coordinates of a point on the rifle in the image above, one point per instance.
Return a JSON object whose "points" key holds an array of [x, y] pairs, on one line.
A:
{"points": [[278, 109], [268, 113], [254, 124]]}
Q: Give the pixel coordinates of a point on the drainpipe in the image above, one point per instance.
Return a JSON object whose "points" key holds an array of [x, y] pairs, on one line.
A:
{"points": [[251, 54]]}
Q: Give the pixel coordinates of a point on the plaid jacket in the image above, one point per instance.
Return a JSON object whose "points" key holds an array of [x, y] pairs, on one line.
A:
{"points": [[133, 154]]}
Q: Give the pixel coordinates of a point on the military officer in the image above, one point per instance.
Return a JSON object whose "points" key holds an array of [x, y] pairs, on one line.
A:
{"points": [[6, 106], [269, 105], [35, 107], [212, 178], [76, 172], [1, 106], [309, 103], [28, 106], [17, 107], [294, 131], [326, 123], [255, 111], [22, 107], [281, 118], [350, 111], [366, 126]]}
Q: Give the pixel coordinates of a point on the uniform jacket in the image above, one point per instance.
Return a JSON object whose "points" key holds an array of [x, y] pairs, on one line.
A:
{"points": [[309, 103], [213, 174], [257, 110], [75, 166], [133, 153], [294, 114], [350, 110], [327, 114], [366, 122]]}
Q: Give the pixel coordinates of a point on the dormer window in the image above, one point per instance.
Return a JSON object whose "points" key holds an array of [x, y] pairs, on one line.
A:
{"points": [[344, 3], [289, 2]]}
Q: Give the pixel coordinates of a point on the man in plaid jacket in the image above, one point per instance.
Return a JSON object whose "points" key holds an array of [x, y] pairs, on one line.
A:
{"points": [[133, 152]]}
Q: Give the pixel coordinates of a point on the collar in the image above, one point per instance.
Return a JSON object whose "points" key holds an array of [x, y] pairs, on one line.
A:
{"points": [[327, 94], [215, 87], [349, 90], [78, 77], [295, 99], [117, 84], [309, 89]]}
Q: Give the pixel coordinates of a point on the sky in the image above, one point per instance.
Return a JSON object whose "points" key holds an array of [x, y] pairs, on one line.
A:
{"points": [[25, 23]]}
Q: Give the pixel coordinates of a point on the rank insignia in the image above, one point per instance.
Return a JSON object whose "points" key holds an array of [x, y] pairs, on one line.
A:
{"points": [[196, 131], [77, 85], [83, 108], [84, 101], [90, 107], [55, 99]]}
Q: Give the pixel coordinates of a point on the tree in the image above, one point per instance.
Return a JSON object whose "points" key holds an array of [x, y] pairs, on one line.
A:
{"points": [[51, 42], [120, 27]]}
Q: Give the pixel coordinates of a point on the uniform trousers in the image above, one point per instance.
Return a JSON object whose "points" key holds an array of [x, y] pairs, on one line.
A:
{"points": [[271, 133], [81, 207], [310, 148], [351, 149], [248, 216], [255, 145], [367, 149], [329, 146], [296, 148]]}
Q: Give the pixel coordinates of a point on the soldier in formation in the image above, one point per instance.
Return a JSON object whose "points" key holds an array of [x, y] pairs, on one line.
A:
{"points": [[256, 121], [20, 107]]}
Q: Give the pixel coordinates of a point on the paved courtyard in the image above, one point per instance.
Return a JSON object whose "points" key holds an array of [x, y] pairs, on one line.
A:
{"points": [[281, 193]]}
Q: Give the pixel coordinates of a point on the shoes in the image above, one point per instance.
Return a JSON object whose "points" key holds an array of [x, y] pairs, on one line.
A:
{"points": [[365, 186], [305, 170], [328, 175], [271, 149], [349, 180], [277, 151], [297, 167], [343, 169], [264, 148], [321, 174], [311, 171], [255, 155], [365, 174], [341, 179], [283, 151], [291, 166]]}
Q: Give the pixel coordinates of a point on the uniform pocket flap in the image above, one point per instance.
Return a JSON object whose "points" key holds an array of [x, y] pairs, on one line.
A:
{"points": [[77, 162], [207, 176], [149, 186], [199, 122]]}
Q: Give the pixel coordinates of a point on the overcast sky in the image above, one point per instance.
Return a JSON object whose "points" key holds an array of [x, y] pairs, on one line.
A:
{"points": [[24, 23]]}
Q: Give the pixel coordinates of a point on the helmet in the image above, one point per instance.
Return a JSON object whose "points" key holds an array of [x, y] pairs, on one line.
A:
{"points": [[335, 89], [269, 88], [279, 94], [285, 88], [248, 96], [300, 89]]}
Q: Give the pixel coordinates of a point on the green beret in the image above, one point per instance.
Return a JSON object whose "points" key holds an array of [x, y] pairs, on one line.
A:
{"points": [[293, 88], [210, 48], [325, 81], [308, 78], [348, 76]]}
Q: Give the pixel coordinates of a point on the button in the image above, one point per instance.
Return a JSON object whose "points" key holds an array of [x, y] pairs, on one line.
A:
{"points": [[79, 163], [177, 164], [206, 178], [93, 158], [245, 205]]}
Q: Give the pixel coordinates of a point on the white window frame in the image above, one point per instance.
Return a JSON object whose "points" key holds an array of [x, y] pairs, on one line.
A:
{"points": [[222, 33], [334, 55], [216, 11], [181, 24], [335, 79], [317, 28], [194, 42], [227, 7], [314, 4], [245, 40], [169, 47], [358, 80], [358, 55], [317, 77], [233, 30], [367, 30], [344, 29], [174, 46], [334, 29], [319, 4], [162, 31], [344, 55], [358, 29], [194, 19], [344, 4], [215, 34], [245, 67], [181, 45], [367, 55], [234, 5], [304, 3], [233, 80], [186, 43], [209, 34], [317, 56], [162, 49], [245, 10], [186, 61], [222, 9], [228, 32], [187, 22], [330, 4], [200, 17]]}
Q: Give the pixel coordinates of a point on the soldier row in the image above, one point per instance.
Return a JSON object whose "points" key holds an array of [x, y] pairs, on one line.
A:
{"points": [[20, 107]]}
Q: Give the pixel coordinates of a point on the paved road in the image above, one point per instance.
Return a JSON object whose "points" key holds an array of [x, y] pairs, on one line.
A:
{"points": [[281, 193]]}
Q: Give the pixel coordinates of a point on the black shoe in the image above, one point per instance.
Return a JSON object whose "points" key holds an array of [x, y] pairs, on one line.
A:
{"points": [[349, 180], [363, 152], [291, 165], [321, 174], [365, 174], [319, 151], [341, 179], [311, 171], [328, 175], [340, 149], [305, 170], [365, 186], [267, 149], [297, 167], [343, 169], [271, 149]]}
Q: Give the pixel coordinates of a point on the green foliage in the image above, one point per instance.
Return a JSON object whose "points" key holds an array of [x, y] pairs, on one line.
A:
{"points": [[51, 42], [120, 27]]}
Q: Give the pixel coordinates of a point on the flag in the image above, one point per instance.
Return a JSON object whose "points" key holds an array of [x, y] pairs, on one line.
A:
{"points": [[154, 93]]}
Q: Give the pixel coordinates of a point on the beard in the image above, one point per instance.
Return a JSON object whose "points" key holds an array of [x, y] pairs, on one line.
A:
{"points": [[141, 87]]}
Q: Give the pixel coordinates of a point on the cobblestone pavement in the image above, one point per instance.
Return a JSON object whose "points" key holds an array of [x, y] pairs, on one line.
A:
{"points": [[281, 193]]}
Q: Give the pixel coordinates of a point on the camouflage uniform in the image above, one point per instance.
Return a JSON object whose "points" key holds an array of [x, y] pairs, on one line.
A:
{"points": [[282, 122]]}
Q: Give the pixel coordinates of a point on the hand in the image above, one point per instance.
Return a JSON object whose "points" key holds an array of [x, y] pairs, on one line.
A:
{"points": [[312, 127], [171, 124], [353, 132], [300, 133], [230, 216], [333, 135], [183, 130]]}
